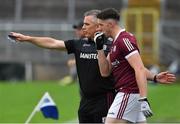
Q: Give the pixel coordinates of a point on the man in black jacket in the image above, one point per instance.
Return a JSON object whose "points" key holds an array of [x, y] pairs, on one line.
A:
{"points": [[97, 93]]}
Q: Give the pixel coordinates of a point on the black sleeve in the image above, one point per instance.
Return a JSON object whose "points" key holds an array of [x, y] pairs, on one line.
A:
{"points": [[70, 46]]}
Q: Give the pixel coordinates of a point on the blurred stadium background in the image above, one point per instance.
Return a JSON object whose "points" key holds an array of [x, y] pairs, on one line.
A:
{"points": [[155, 23]]}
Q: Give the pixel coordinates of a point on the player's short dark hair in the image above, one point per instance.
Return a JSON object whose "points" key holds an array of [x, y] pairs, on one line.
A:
{"points": [[109, 13]]}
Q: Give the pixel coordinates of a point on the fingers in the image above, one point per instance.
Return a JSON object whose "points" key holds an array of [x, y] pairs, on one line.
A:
{"points": [[169, 74], [147, 113], [166, 73], [18, 36], [163, 73], [15, 34], [145, 107], [171, 77], [166, 77]]}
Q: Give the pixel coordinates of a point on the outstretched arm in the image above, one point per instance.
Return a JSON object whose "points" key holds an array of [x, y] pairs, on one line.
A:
{"points": [[45, 42], [162, 77]]}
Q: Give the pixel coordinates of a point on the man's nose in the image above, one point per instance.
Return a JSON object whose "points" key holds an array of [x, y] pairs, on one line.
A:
{"points": [[83, 27]]}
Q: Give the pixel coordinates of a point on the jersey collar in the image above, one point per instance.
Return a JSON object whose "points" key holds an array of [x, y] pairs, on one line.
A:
{"points": [[122, 30]]}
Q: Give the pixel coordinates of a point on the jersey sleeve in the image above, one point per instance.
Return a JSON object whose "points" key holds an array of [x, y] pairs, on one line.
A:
{"points": [[70, 46], [128, 46]]}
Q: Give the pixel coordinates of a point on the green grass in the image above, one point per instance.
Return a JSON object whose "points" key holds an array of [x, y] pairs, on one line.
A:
{"points": [[165, 103], [19, 99]]}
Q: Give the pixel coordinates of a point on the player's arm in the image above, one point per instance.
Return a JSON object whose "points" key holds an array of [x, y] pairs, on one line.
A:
{"points": [[149, 74], [45, 42], [140, 72], [104, 63], [162, 77]]}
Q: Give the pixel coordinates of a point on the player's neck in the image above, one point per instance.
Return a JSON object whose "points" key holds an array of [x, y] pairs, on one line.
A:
{"points": [[115, 31]]}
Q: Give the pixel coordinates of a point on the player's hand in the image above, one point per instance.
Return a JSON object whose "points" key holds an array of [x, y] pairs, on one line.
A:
{"points": [[19, 37], [165, 78], [99, 39], [145, 107]]}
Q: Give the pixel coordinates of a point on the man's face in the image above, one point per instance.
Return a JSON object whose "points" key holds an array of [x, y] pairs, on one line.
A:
{"points": [[104, 26], [89, 26]]}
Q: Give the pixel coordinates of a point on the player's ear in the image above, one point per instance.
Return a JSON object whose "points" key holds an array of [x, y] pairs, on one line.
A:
{"points": [[110, 24]]}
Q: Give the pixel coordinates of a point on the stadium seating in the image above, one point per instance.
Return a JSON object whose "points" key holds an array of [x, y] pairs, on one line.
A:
{"points": [[141, 18], [169, 32], [42, 18], [54, 18]]}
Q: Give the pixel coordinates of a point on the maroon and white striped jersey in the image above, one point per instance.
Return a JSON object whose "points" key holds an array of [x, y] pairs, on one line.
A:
{"points": [[124, 46]]}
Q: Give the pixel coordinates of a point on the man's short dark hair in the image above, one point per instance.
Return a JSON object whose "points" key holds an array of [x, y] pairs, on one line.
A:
{"points": [[109, 13]]}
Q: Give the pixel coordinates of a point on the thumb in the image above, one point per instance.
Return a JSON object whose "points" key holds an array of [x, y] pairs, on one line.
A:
{"points": [[164, 73]]}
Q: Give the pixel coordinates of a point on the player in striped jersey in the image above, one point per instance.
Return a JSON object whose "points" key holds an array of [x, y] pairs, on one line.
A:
{"points": [[124, 61]]}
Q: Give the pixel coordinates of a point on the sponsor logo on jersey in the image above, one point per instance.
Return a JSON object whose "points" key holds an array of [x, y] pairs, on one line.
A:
{"points": [[111, 113], [88, 55], [113, 49], [115, 63], [86, 45]]}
